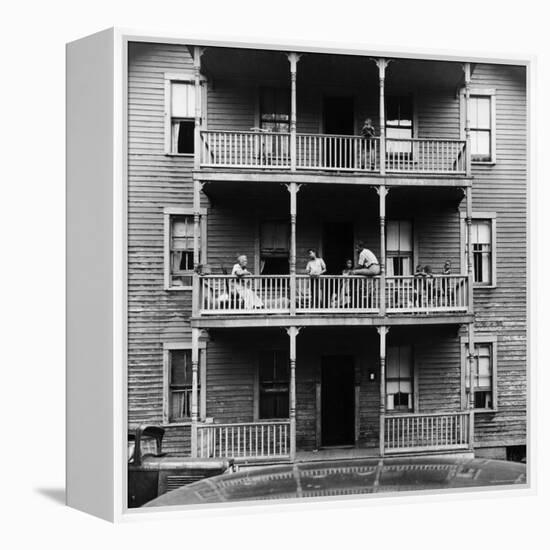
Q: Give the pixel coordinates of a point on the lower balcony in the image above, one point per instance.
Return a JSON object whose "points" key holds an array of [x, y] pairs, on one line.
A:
{"points": [[270, 440], [272, 294]]}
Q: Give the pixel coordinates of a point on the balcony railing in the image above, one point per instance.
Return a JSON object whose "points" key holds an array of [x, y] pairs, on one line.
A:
{"points": [[331, 152], [426, 432], [428, 156], [251, 440], [417, 294], [245, 149], [225, 294], [271, 150]]}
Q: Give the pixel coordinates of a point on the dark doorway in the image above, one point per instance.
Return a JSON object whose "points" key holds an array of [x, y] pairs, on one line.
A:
{"points": [[337, 401], [337, 246], [338, 120], [338, 116]]}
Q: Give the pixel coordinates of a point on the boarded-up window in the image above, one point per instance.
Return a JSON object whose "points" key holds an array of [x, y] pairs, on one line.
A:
{"points": [[483, 376], [181, 250], [399, 378], [273, 384], [180, 384], [480, 127], [399, 247], [182, 113], [399, 124]]}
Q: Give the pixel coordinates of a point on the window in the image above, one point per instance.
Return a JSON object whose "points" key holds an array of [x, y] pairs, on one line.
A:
{"points": [[399, 378], [273, 381], [274, 247], [180, 385], [482, 124], [275, 109], [483, 239], [399, 123], [484, 375], [399, 248], [178, 382], [182, 117], [179, 247]]}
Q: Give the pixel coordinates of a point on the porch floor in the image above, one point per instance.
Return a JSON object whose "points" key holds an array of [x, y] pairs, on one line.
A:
{"points": [[336, 453]]}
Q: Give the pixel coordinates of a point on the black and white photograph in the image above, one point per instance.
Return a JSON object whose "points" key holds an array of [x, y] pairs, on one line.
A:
{"points": [[327, 273]]}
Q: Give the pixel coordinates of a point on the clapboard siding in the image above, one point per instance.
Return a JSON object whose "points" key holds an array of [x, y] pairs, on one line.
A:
{"points": [[157, 181], [501, 311]]}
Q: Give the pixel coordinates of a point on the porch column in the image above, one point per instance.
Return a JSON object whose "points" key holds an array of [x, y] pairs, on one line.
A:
{"points": [[197, 53], [195, 305], [471, 336], [382, 331], [382, 192], [382, 64], [195, 332], [293, 59], [292, 333], [293, 189], [467, 86]]}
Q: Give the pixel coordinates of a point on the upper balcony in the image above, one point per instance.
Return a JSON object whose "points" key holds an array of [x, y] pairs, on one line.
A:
{"points": [[265, 114]]}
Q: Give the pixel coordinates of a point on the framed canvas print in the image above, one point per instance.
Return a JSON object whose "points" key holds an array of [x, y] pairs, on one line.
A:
{"points": [[293, 273]]}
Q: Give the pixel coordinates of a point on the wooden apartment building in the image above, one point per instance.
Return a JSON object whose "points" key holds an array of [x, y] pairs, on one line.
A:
{"points": [[240, 151]]}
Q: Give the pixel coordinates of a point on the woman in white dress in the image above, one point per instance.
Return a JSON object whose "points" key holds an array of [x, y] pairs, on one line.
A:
{"points": [[243, 287]]}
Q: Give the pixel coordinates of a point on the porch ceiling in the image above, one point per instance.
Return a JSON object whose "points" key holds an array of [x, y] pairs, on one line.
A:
{"points": [[329, 69]]}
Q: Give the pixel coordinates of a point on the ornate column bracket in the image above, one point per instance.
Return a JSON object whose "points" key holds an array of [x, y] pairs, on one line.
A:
{"points": [[293, 189], [292, 333], [382, 64]]}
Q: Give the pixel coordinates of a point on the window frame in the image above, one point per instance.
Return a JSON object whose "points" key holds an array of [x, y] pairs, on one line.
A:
{"points": [[185, 78], [168, 212], [487, 339], [257, 392], [184, 345], [413, 379], [491, 94], [390, 254], [492, 217]]}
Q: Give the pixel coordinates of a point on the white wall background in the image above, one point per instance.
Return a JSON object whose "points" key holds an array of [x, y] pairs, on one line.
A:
{"points": [[33, 37]]}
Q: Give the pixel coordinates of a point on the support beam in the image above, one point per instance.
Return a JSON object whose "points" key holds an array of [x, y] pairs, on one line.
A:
{"points": [[292, 333], [467, 86], [195, 305], [197, 53], [293, 59], [382, 192], [382, 331], [195, 333], [293, 189], [382, 65]]}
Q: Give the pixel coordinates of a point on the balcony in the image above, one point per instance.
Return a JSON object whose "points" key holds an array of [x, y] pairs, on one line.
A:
{"points": [[271, 294], [318, 152]]}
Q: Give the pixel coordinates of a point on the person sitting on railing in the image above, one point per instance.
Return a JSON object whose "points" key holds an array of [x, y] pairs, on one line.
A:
{"points": [[242, 287], [367, 264], [368, 132], [315, 267]]}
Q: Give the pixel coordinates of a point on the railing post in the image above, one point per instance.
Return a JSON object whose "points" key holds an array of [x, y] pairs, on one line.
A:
{"points": [[293, 189], [382, 192], [293, 59], [382, 65], [195, 389], [382, 331], [467, 86], [292, 333], [197, 53], [470, 250]]}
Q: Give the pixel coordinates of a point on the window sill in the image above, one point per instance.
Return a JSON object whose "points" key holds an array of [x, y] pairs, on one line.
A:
{"points": [[483, 162], [175, 424], [485, 411], [178, 288], [477, 285], [185, 155]]}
